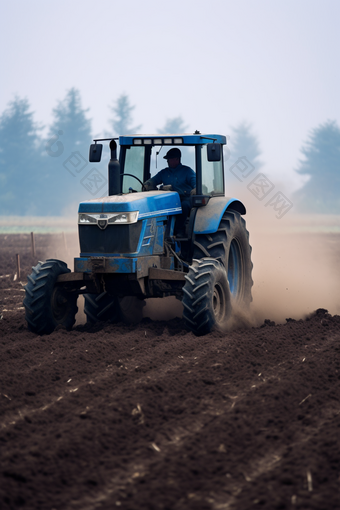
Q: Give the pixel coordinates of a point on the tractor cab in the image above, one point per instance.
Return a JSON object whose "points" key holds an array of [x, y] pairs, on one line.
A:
{"points": [[129, 202], [141, 155]]}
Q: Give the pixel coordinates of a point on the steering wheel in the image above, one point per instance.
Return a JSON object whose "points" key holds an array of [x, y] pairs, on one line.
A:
{"points": [[131, 175]]}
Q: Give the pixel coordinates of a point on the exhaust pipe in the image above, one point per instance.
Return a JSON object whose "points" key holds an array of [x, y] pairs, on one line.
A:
{"points": [[114, 171]]}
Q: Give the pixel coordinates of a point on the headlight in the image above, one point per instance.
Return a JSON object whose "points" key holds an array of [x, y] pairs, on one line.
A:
{"points": [[130, 217], [104, 219], [86, 218]]}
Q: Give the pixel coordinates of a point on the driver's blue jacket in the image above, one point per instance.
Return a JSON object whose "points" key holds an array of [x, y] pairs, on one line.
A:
{"points": [[182, 178]]}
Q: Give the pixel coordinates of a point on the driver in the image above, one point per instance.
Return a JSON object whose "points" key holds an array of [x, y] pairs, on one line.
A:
{"points": [[182, 179]]}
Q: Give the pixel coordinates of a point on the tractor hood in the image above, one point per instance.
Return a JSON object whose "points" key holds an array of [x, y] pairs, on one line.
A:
{"points": [[148, 204]]}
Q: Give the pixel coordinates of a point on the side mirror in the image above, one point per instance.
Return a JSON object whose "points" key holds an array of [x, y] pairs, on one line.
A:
{"points": [[95, 152], [214, 151]]}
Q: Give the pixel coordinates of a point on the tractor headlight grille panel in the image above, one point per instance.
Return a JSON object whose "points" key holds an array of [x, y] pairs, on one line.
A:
{"points": [[105, 219]]}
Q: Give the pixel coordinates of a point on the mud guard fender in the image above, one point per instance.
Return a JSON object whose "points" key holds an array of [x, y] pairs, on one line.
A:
{"points": [[208, 217]]}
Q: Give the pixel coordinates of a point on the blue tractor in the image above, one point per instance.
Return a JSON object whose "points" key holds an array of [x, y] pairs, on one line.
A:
{"points": [[129, 251]]}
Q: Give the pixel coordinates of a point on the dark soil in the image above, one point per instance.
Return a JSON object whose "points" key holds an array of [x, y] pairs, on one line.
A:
{"points": [[152, 417]]}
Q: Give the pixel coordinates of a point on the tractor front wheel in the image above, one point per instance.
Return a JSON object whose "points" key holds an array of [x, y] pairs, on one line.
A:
{"points": [[46, 303]]}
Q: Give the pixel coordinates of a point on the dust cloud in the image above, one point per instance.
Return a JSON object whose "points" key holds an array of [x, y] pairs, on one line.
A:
{"points": [[63, 246], [296, 264], [163, 309]]}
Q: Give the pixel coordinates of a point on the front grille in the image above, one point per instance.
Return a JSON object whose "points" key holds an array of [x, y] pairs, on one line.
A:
{"points": [[114, 239]]}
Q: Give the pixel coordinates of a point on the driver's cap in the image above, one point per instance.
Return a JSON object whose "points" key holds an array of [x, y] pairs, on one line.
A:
{"points": [[173, 153]]}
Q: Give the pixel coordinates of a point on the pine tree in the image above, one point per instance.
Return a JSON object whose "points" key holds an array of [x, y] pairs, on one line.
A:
{"points": [[20, 161], [243, 143], [173, 126], [66, 155], [70, 118], [121, 122], [322, 163]]}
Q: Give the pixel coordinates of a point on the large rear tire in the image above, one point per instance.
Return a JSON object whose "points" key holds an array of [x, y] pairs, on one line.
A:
{"points": [[206, 297], [230, 245], [46, 303], [203, 299]]}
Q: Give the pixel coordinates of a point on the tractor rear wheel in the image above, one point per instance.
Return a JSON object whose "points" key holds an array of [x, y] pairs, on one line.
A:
{"points": [[48, 304], [131, 309], [104, 307], [230, 245], [206, 297], [101, 307]]}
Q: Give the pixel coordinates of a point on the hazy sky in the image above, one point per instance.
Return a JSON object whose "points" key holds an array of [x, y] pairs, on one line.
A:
{"points": [[272, 63]]}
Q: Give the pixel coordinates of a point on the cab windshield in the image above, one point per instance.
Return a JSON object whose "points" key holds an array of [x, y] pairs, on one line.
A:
{"points": [[134, 164], [145, 161]]}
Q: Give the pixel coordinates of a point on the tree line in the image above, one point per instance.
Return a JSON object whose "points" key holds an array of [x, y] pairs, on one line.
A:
{"points": [[44, 175]]}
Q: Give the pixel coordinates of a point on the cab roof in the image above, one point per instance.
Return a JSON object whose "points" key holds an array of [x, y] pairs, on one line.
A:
{"points": [[171, 139]]}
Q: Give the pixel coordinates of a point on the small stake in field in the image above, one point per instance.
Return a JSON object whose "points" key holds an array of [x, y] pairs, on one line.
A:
{"points": [[17, 257], [32, 244]]}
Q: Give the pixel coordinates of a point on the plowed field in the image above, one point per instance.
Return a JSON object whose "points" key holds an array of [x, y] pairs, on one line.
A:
{"points": [[151, 417]]}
